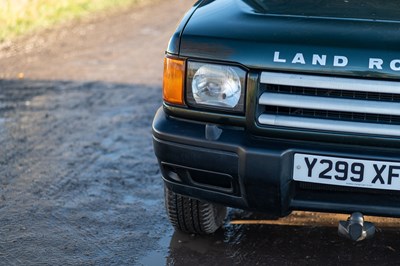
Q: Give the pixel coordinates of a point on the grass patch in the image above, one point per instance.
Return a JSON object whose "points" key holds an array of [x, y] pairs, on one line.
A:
{"points": [[21, 16]]}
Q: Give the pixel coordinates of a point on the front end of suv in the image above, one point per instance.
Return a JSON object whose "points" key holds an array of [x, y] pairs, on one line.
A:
{"points": [[274, 107]]}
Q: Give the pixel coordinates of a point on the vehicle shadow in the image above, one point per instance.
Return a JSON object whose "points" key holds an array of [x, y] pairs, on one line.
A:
{"points": [[259, 240]]}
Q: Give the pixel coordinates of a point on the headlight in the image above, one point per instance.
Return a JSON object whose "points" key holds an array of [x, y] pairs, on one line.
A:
{"points": [[215, 86]]}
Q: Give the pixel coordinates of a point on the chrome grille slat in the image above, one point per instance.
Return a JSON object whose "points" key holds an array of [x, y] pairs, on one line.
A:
{"points": [[330, 83], [329, 125], [330, 104]]}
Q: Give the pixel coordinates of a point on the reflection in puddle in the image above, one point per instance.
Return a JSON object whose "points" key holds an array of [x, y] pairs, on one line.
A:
{"points": [[315, 219], [302, 238]]}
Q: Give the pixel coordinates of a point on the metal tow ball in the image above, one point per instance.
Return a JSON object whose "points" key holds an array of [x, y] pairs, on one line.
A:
{"points": [[355, 228]]}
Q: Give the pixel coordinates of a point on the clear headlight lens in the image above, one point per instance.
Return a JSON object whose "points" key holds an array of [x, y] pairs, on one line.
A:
{"points": [[216, 86]]}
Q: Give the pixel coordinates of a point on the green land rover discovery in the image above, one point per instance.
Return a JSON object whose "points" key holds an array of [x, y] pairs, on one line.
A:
{"points": [[278, 105]]}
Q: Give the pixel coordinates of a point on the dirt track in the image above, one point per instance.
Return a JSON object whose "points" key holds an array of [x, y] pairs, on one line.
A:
{"points": [[79, 183]]}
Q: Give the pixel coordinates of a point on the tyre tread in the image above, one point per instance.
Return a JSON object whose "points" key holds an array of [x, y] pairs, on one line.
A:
{"points": [[193, 216]]}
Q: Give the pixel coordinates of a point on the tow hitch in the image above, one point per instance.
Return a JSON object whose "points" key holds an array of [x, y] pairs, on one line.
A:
{"points": [[355, 228]]}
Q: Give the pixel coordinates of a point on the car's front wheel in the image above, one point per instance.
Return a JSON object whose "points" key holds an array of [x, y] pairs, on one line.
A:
{"points": [[192, 215]]}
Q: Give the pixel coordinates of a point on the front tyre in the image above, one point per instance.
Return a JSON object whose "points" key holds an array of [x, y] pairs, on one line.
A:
{"points": [[193, 216]]}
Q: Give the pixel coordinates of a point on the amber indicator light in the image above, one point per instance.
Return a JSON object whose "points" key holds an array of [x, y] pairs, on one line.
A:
{"points": [[174, 75]]}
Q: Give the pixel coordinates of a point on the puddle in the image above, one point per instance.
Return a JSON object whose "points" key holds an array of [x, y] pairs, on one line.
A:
{"points": [[160, 255]]}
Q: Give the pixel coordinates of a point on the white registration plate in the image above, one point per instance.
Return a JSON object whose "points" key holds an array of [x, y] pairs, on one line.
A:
{"points": [[346, 172]]}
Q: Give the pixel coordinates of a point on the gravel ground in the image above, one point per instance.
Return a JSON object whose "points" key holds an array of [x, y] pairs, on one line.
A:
{"points": [[79, 183]]}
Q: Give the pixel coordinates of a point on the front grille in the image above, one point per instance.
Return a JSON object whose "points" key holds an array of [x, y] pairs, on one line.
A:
{"points": [[330, 104]]}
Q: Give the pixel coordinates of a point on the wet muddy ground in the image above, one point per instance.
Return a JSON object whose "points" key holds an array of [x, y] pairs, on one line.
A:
{"points": [[79, 183]]}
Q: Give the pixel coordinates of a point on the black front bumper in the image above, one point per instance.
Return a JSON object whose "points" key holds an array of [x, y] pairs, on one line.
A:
{"points": [[249, 172]]}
